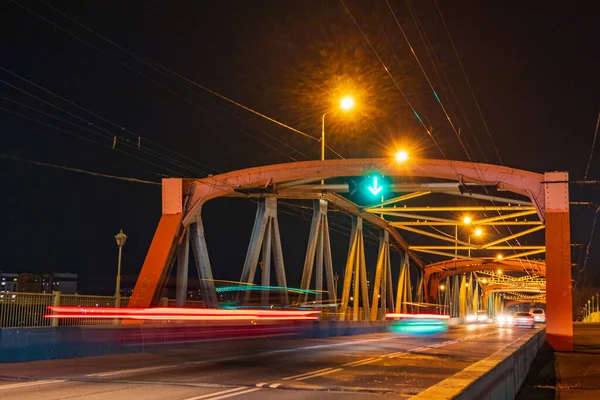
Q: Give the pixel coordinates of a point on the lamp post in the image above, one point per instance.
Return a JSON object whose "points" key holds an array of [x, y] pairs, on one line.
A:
{"points": [[120, 238], [345, 104], [478, 232]]}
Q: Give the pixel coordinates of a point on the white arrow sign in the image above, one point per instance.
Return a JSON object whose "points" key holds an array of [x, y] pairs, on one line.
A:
{"points": [[375, 189]]}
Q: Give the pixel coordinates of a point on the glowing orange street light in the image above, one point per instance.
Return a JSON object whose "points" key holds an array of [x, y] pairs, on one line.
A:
{"points": [[467, 220], [401, 156], [499, 256], [442, 287], [499, 272], [346, 103], [478, 232]]}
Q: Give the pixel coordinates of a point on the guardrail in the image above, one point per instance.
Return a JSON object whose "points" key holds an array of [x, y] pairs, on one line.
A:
{"points": [[27, 310]]}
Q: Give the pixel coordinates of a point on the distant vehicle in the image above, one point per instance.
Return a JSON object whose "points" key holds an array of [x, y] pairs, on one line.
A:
{"points": [[480, 317], [504, 319], [523, 319], [539, 315]]}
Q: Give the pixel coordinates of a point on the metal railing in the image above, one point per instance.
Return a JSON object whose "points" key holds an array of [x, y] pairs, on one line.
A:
{"points": [[18, 309]]}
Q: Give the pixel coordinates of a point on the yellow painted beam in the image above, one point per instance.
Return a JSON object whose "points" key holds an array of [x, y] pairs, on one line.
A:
{"points": [[504, 217], [514, 236], [525, 254], [433, 235], [460, 223], [451, 255], [399, 199], [452, 209], [477, 248]]}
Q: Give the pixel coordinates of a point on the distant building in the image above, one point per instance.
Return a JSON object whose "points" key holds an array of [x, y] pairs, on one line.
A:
{"points": [[8, 282], [59, 282], [29, 283], [38, 283]]}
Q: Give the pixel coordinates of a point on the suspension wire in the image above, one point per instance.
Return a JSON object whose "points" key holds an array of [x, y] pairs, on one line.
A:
{"points": [[433, 57], [477, 169], [149, 79], [110, 135], [119, 127], [487, 129], [87, 139], [589, 245], [429, 81], [161, 70], [398, 87], [79, 170], [587, 168], [404, 74], [435, 93], [156, 83]]}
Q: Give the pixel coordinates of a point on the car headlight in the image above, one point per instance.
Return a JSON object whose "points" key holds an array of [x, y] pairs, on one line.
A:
{"points": [[471, 318], [501, 318]]}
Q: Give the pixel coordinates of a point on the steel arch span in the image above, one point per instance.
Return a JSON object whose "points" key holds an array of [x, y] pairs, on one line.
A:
{"points": [[434, 273], [548, 193]]}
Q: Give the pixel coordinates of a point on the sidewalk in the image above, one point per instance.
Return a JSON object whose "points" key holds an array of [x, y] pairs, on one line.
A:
{"points": [[572, 375]]}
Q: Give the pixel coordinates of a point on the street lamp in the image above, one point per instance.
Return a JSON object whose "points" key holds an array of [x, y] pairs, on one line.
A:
{"points": [[346, 104], [401, 156], [466, 221], [120, 238], [478, 232]]}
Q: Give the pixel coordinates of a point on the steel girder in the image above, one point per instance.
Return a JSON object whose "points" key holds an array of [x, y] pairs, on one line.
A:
{"points": [[382, 289], [319, 246], [265, 236], [355, 276]]}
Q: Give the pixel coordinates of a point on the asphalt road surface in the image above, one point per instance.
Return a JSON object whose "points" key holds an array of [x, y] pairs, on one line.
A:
{"points": [[350, 367]]}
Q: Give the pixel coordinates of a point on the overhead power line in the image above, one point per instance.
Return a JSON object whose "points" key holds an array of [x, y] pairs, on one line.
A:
{"points": [[587, 168], [161, 70], [79, 170], [487, 129]]}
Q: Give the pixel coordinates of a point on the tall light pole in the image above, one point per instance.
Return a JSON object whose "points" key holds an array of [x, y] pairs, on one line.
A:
{"points": [[345, 104], [120, 238]]}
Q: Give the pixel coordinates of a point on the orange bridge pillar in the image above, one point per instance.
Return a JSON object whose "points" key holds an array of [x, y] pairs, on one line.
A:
{"points": [[559, 310]]}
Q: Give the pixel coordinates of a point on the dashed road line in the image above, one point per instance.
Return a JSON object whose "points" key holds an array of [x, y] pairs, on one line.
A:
{"points": [[306, 373], [223, 394], [132, 371], [226, 396], [27, 384], [357, 362], [319, 374]]}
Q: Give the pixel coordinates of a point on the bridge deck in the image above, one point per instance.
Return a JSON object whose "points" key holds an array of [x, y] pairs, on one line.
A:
{"points": [[352, 367]]}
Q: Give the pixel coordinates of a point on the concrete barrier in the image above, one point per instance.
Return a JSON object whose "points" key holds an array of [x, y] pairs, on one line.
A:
{"points": [[496, 377]]}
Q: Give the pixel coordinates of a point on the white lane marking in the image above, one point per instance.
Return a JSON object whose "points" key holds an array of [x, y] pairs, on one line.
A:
{"points": [[306, 373], [392, 355], [26, 384], [275, 385], [357, 362], [131, 371], [204, 396], [226, 396], [322, 346], [367, 362], [261, 384], [320, 374]]}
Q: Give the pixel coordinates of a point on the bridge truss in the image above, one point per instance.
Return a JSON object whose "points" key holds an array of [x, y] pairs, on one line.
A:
{"points": [[494, 223]]}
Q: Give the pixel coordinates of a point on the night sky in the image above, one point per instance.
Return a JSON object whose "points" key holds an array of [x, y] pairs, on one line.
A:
{"points": [[533, 67]]}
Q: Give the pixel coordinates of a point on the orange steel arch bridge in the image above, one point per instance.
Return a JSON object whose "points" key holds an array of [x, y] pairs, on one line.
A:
{"points": [[482, 225]]}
